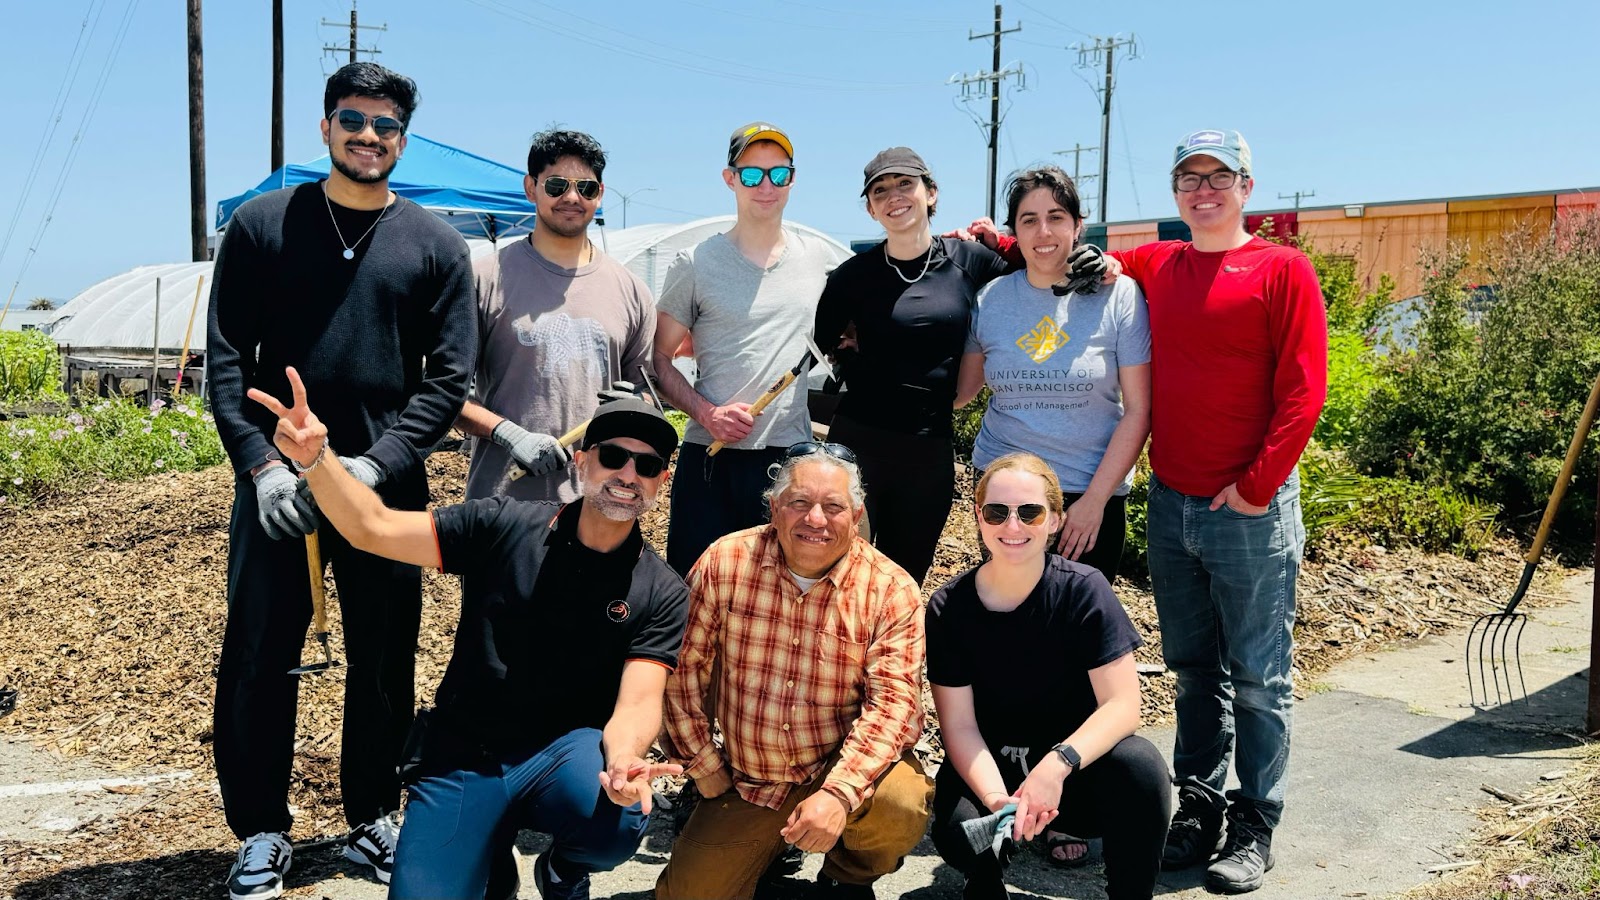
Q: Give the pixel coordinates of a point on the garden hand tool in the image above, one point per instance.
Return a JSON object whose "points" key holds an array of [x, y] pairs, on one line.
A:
{"points": [[813, 357], [319, 610], [1503, 630], [576, 434]]}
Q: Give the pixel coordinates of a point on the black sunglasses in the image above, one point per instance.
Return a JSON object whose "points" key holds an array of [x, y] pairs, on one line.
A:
{"points": [[750, 176], [557, 186], [614, 457], [354, 121], [808, 448], [1027, 513]]}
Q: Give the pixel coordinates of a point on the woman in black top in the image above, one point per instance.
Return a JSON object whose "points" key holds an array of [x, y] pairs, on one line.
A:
{"points": [[1030, 658], [905, 305]]}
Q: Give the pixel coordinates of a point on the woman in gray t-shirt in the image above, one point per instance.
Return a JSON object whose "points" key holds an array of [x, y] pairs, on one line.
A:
{"points": [[1070, 374]]}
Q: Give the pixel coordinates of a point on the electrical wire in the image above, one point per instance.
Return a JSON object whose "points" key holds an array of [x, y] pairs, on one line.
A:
{"points": [[57, 107], [1054, 19], [1132, 181]]}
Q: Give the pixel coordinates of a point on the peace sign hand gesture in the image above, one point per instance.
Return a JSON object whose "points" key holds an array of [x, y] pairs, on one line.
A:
{"points": [[300, 435]]}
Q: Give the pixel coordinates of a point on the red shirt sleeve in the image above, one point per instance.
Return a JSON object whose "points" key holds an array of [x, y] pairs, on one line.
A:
{"points": [[1298, 323]]}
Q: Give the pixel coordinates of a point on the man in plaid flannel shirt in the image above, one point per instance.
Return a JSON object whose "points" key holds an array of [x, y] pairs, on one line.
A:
{"points": [[806, 645]]}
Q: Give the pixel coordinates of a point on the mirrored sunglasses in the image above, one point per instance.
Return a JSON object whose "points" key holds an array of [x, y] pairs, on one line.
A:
{"points": [[1027, 513], [557, 186], [750, 176], [354, 121]]}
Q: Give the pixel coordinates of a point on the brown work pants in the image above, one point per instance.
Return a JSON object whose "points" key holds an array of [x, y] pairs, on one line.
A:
{"points": [[728, 842]]}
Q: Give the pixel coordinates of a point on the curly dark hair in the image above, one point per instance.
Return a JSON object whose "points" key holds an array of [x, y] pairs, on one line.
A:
{"points": [[1052, 177], [368, 79], [549, 146]]}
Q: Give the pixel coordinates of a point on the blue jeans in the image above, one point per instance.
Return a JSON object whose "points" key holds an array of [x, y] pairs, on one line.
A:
{"points": [[460, 821], [1224, 586]]}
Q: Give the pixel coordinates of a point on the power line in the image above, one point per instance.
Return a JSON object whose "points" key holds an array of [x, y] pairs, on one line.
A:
{"points": [[355, 28], [989, 85], [1041, 12], [1297, 195]]}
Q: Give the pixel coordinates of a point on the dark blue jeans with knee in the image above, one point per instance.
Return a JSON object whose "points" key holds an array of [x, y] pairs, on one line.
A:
{"points": [[1224, 586], [459, 822]]}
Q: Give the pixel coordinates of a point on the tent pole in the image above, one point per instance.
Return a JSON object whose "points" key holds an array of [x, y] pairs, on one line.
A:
{"points": [[155, 345]]}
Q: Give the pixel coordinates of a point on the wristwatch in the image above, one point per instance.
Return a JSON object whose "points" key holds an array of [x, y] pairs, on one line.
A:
{"points": [[1068, 756]]}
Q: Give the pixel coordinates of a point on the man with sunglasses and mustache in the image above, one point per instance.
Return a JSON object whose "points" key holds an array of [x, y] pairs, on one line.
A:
{"points": [[369, 296], [569, 627], [805, 644], [747, 298], [558, 322]]}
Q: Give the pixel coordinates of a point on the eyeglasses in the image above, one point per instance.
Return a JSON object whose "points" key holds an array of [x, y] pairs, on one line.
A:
{"points": [[1220, 180], [750, 176], [355, 121], [557, 186], [809, 448], [615, 457], [1027, 513]]}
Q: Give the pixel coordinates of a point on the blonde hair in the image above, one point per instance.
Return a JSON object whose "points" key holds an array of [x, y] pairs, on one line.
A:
{"points": [[1032, 465]]}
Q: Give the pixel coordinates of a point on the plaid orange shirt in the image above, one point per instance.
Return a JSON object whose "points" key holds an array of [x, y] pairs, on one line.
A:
{"points": [[799, 677]]}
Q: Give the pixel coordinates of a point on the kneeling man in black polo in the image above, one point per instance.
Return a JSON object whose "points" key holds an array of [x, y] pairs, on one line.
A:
{"points": [[569, 627]]}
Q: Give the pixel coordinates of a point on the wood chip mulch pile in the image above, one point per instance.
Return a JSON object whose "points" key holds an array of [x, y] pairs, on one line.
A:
{"points": [[111, 616]]}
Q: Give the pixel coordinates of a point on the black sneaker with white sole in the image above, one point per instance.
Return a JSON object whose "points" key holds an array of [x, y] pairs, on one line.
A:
{"points": [[372, 844], [262, 864], [1247, 857]]}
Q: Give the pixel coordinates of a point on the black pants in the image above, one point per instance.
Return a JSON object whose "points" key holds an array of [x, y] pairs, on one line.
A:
{"points": [[713, 496], [1109, 541], [909, 482], [1124, 797], [269, 610]]}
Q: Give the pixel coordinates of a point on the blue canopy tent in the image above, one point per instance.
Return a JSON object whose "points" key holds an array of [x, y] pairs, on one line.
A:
{"points": [[477, 197]]}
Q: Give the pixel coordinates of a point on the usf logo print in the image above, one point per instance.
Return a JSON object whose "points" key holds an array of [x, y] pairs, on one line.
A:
{"points": [[1044, 340]]}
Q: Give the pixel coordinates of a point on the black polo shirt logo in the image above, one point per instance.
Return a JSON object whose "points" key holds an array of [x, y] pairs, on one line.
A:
{"points": [[619, 611]]}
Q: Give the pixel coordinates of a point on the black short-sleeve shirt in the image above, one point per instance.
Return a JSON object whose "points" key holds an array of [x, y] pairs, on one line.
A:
{"points": [[1029, 668], [546, 623]]}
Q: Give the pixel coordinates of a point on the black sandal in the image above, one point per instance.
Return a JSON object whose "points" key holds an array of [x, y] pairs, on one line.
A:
{"points": [[1057, 839]]}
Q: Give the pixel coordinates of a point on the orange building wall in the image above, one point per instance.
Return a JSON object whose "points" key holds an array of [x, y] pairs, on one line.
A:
{"points": [[1384, 239], [1126, 237]]}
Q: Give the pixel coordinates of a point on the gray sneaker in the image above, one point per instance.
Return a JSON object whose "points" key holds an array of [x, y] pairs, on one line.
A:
{"points": [[262, 864], [1245, 859], [1196, 831]]}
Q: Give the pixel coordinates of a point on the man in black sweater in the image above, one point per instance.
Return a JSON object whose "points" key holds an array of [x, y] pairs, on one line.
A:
{"points": [[370, 298]]}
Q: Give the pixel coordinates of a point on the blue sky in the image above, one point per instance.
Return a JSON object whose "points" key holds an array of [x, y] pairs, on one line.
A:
{"points": [[1357, 101]]}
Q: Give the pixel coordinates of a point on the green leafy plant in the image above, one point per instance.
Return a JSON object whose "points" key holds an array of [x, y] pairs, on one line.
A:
{"points": [[30, 367]]}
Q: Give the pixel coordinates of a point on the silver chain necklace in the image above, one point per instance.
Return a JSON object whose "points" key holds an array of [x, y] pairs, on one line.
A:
{"points": [[350, 249], [925, 263]]}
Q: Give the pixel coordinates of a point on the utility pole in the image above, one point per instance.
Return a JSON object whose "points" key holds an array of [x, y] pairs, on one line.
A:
{"points": [[355, 26], [625, 202], [991, 81], [277, 85], [1297, 195], [197, 140], [1105, 48], [1077, 152]]}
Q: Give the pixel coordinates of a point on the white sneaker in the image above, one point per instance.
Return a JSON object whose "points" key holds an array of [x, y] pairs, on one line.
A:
{"points": [[263, 862], [373, 845]]}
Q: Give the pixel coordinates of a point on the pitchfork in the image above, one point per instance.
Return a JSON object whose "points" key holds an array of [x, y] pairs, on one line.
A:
{"points": [[1503, 630]]}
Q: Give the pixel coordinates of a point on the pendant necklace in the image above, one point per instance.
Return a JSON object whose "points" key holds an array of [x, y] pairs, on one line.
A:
{"points": [[890, 263], [350, 249]]}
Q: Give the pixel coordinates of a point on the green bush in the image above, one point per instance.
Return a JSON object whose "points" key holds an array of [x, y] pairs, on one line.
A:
{"points": [[1340, 505], [30, 367], [967, 420], [1488, 400], [1352, 377], [118, 439]]}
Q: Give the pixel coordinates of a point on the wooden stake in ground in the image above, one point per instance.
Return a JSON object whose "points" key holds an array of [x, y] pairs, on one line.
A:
{"points": [[187, 333]]}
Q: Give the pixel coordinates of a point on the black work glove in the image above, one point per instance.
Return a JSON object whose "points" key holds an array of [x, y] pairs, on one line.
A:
{"points": [[1086, 270], [619, 390]]}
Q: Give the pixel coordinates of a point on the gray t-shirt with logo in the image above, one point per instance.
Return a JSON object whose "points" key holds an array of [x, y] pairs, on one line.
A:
{"points": [[1052, 365], [550, 339], [749, 326]]}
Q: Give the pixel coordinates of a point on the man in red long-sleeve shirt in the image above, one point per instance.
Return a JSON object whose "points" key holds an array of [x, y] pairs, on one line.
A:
{"points": [[1239, 361]]}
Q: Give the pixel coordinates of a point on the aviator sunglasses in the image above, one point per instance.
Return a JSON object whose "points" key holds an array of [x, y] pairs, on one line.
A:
{"points": [[1027, 513], [556, 186], [750, 176], [807, 448], [614, 457], [354, 121]]}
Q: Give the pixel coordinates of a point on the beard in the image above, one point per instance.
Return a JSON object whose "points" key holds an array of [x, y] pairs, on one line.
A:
{"points": [[615, 509], [566, 231], [385, 165]]}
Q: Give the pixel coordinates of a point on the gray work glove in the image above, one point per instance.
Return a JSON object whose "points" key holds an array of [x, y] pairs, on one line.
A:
{"points": [[364, 469], [1086, 269], [537, 454], [280, 507], [619, 390]]}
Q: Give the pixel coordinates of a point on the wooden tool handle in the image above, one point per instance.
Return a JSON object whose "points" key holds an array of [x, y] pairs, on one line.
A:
{"points": [[1556, 493], [566, 440], [319, 600], [761, 403]]}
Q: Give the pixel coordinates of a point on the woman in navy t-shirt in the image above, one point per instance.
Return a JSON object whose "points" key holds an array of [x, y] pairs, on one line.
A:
{"points": [[1030, 657]]}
